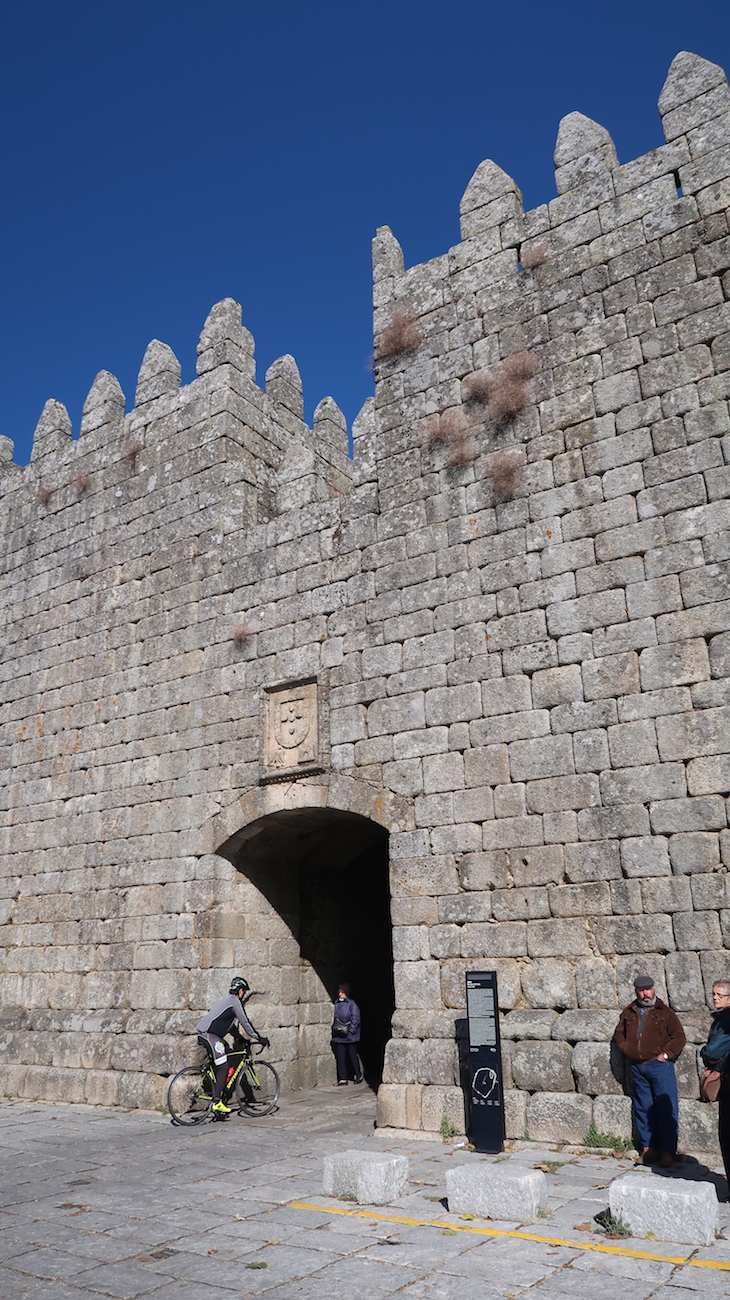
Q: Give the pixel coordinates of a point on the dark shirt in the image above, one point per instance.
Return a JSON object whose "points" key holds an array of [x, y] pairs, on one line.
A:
{"points": [[221, 1018], [716, 1052], [642, 1010]]}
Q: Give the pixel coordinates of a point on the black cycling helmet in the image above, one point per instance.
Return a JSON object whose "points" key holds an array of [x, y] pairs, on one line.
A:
{"points": [[238, 983]]}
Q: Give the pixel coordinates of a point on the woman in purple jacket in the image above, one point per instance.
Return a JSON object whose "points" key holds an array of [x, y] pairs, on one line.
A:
{"points": [[346, 1036]]}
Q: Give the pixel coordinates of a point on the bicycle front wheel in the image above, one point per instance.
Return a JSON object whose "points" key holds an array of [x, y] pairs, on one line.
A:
{"points": [[257, 1089], [187, 1100]]}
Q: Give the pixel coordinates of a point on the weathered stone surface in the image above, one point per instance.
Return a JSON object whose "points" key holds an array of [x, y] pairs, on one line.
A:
{"points": [[612, 1115], [417, 984], [528, 1024], [391, 1109], [584, 1026], [159, 373], [627, 968], [438, 1104], [684, 980], [52, 432], [368, 1177], [537, 1066], [694, 851], [494, 1192], [506, 679], [437, 1062], [401, 1061], [635, 934], [515, 1113], [559, 1117], [454, 987], [595, 1069], [595, 981], [104, 405], [549, 983], [688, 1079], [697, 1126], [668, 1209], [597, 861], [645, 856]]}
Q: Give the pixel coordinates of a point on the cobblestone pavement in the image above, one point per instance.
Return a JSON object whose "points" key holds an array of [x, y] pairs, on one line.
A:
{"points": [[106, 1203]]}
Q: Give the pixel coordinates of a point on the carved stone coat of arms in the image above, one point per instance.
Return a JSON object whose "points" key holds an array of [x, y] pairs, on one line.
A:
{"points": [[291, 732]]}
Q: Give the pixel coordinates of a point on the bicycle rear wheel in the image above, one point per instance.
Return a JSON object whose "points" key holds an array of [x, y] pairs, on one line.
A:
{"points": [[187, 1100], [257, 1089]]}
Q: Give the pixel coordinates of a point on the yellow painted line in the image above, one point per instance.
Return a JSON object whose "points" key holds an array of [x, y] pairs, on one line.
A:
{"points": [[597, 1246]]}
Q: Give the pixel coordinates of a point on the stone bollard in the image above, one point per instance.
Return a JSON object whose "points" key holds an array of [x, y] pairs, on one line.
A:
{"points": [[494, 1192], [369, 1177], [672, 1209]]}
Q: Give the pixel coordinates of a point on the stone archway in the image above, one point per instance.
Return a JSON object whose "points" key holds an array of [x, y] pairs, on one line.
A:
{"points": [[344, 793], [311, 895]]}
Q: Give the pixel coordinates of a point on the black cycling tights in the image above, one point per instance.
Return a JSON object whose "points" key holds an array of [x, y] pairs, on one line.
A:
{"points": [[220, 1080]]}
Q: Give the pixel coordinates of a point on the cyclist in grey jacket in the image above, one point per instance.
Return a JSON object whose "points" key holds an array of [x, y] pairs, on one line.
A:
{"points": [[219, 1021]]}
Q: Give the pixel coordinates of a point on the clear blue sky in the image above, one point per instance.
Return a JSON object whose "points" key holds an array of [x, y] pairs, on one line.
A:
{"points": [[158, 155]]}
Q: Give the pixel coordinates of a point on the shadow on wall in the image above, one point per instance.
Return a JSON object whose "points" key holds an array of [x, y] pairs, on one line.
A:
{"points": [[325, 872]]}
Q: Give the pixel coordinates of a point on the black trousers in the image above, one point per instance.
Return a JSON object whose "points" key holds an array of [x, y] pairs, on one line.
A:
{"points": [[347, 1061], [723, 1128]]}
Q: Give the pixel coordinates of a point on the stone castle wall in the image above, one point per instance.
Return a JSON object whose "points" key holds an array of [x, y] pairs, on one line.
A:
{"points": [[514, 603]]}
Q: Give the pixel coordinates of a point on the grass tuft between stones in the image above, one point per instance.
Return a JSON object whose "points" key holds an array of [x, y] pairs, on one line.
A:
{"points": [[609, 1141], [612, 1226]]}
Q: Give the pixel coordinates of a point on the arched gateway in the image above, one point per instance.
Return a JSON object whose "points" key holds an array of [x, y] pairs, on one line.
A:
{"points": [[311, 902], [509, 608]]}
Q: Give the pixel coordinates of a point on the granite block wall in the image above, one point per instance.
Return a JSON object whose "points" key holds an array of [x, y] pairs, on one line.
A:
{"points": [[513, 601]]}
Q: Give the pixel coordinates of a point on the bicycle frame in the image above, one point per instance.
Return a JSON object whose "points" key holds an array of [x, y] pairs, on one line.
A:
{"points": [[245, 1063]]}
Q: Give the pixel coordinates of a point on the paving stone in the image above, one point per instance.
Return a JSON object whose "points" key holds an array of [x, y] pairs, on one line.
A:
{"points": [[125, 1280], [52, 1264], [133, 1153], [595, 1285]]}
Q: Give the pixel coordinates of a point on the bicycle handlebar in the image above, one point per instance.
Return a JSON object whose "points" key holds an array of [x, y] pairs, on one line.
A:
{"points": [[238, 1037]]}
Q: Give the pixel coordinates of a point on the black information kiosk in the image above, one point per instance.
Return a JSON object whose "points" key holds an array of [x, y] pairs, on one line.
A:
{"points": [[485, 1062]]}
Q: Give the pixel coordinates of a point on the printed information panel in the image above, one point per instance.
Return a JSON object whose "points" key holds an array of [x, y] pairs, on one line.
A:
{"points": [[485, 1061]]}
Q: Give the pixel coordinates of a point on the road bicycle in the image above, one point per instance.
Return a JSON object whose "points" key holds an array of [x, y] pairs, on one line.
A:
{"points": [[255, 1085]]}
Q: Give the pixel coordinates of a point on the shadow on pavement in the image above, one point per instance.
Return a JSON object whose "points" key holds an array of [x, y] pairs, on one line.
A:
{"points": [[690, 1169]]}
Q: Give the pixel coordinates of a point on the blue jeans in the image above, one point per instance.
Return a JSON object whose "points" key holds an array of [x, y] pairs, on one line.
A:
{"points": [[656, 1106]]}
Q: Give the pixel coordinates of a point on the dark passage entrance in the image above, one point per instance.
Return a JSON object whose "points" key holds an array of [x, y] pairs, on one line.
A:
{"points": [[346, 935], [325, 875]]}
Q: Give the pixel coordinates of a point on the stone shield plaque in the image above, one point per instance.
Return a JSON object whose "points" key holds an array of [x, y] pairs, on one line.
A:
{"points": [[291, 730]]}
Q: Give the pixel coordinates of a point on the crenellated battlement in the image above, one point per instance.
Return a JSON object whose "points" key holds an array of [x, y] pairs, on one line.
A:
{"points": [[224, 401], [522, 269], [234, 659]]}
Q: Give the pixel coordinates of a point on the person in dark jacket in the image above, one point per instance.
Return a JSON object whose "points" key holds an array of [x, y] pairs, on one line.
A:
{"points": [[716, 1056], [346, 1036], [651, 1036]]}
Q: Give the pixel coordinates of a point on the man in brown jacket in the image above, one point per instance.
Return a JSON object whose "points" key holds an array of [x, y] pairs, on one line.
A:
{"points": [[651, 1036]]}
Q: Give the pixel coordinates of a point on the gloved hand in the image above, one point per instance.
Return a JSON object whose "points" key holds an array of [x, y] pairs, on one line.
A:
{"points": [[264, 1042]]}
